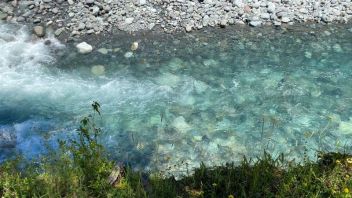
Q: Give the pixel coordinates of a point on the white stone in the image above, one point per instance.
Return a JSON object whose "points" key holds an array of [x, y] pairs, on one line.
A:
{"points": [[134, 46], [84, 48]]}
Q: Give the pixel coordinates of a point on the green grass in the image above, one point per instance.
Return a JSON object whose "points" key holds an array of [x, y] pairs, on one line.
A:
{"points": [[80, 168]]}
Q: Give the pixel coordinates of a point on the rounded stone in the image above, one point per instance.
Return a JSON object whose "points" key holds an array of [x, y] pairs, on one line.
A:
{"points": [[84, 48], [98, 70]]}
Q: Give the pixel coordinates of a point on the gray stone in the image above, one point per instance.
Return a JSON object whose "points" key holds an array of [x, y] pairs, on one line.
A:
{"points": [[59, 31], [255, 23], [277, 23], [128, 55], [3, 15], [238, 3], [95, 10], [142, 2], [81, 26], [39, 31], [37, 20], [103, 51], [71, 2], [89, 1], [285, 19], [55, 10], [188, 27], [271, 7], [129, 20], [265, 16], [20, 19], [91, 31]]}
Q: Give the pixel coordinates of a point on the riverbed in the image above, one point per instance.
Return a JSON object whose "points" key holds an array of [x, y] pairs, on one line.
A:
{"points": [[212, 96]]}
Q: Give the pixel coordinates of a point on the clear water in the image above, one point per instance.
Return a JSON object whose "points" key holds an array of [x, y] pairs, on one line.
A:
{"points": [[211, 96]]}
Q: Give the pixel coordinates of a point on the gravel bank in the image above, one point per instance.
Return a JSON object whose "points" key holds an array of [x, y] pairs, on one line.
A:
{"points": [[75, 18]]}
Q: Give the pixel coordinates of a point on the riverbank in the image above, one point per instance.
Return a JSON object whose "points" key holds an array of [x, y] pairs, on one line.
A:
{"points": [[73, 19]]}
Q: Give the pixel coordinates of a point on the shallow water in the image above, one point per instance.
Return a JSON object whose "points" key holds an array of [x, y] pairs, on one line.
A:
{"points": [[210, 96]]}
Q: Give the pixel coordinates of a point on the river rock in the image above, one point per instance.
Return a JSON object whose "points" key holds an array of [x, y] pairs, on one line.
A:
{"points": [[271, 7], [285, 19], [345, 127], [98, 70], [128, 55], [129, 20], [134, 46], [103, 51], [39, 31], [181, 125], [3, 15], [84, 48], [255, 23], [59, 31]]}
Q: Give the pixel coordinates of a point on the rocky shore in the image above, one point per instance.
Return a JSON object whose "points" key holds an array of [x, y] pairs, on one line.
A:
{"points": [[74, 18]]}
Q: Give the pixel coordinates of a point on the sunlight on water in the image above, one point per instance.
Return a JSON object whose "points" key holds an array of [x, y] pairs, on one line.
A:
{"points": [[182, 100]]}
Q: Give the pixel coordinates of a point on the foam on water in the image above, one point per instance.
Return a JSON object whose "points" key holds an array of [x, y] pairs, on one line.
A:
{"points": [[32, 94]]}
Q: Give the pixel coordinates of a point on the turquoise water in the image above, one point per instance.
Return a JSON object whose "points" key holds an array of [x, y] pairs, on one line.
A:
{"points": [[211, 96]]}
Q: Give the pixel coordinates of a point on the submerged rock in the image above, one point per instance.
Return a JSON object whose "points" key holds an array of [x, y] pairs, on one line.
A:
{"points": [[346, 127], [84, 48], [134, 46], [199, 86], [98, 70], [128, 55], [103, 51], [181, 125], [168, 79]]}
